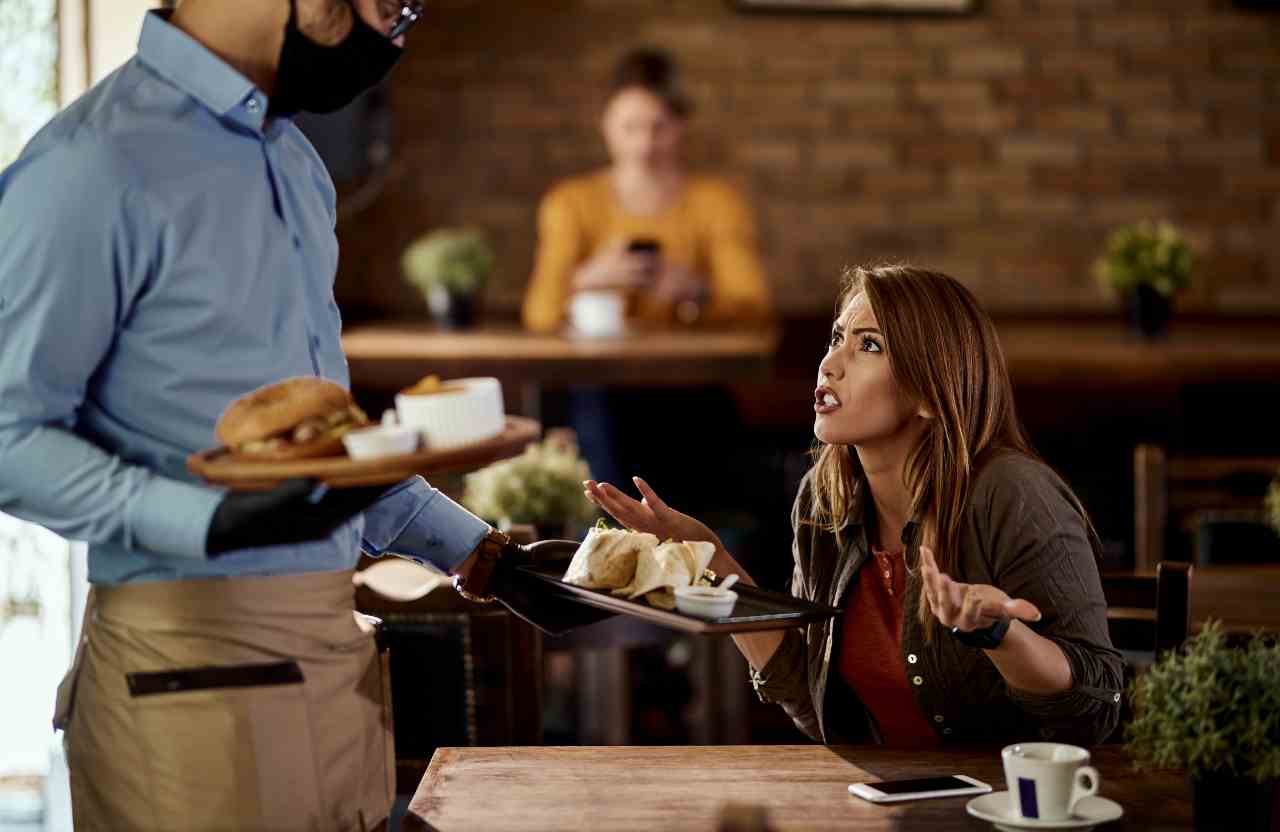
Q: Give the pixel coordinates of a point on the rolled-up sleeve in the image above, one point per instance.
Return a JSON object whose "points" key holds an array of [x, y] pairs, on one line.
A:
{"points": [[421, 523], [1044, 554], [784, 680], [73, 256]]}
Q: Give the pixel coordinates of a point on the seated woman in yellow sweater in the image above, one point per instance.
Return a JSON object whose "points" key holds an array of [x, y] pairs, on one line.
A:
{"points": [[705, 268]]}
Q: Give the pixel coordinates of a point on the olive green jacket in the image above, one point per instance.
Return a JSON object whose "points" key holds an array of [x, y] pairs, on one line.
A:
{"points": [[1026, 533]]}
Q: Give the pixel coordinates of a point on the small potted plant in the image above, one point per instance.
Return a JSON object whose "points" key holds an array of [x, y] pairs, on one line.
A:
{"points": [[1213, 710], [1147, 263], [450, 266], [542, 487]]}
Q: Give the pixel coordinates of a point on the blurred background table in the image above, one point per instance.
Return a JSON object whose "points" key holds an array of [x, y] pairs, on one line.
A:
{"points": [[391, 356], [799, 787]]}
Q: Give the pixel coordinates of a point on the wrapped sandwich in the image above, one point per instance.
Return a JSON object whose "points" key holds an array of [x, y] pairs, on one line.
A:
{"points": [[607, 558], [662, 569], [632, 564]]}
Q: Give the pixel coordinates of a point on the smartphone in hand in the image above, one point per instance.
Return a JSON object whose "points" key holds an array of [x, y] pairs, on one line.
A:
{"points": [[645, 245], [651, 250]]}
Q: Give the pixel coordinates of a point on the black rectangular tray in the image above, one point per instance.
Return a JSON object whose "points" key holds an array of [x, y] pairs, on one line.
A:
{"points": [[756, 610]]}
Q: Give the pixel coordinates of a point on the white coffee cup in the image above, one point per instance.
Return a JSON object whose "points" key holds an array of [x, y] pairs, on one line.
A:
{"points": [[1046, 779], [598, 314]]}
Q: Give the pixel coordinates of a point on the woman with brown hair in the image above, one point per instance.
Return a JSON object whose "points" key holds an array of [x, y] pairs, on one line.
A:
{"points": [[966, 569]]}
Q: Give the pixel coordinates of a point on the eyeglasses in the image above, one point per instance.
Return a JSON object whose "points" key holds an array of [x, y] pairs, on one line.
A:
{"points": [[410, 12]]}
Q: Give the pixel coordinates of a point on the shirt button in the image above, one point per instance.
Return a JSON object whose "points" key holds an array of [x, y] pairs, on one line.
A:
{"points": [[253, 105], [938, 718], [917, 680], [912, 658]]}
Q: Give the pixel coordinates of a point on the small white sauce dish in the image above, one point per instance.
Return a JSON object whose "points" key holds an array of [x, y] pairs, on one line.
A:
{"points": [[705, 601], [381, 441]]}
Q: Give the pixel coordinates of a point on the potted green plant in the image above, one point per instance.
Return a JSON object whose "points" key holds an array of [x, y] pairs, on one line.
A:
{"points": [[450, 266], [1213, 710], [542, 486], [1147, 263]]}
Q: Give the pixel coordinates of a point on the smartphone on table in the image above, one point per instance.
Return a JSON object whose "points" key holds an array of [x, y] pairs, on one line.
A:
{"points": [[893, 791]]}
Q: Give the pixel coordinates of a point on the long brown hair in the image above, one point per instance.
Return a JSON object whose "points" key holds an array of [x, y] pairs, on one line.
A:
{"points": [[945, 355]]}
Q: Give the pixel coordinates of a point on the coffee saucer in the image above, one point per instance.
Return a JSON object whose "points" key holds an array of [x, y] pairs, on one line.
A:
{"points": [[1089, 812]]}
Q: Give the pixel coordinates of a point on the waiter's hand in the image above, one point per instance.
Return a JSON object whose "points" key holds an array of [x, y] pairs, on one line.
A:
{"points": [[526, 596], [288, 513]]}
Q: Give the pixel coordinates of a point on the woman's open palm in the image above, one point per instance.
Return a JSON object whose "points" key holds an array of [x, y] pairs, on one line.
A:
{"points": [[649, 514]]}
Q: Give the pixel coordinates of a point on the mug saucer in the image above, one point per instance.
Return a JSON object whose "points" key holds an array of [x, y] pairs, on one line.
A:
{"points": [[1089, 812]]}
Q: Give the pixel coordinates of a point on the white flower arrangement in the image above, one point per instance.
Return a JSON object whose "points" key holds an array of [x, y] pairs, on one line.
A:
{"points": [[541, 485]]}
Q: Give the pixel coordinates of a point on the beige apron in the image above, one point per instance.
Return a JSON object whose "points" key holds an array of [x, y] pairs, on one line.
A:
{"points": [[212, 704]]}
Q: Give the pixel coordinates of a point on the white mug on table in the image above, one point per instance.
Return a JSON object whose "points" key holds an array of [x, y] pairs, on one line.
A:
{"points": [[1046, 779], [599, 313]]}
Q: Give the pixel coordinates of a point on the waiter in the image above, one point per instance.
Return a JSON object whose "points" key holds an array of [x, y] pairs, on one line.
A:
{"points": [[166, 246]]}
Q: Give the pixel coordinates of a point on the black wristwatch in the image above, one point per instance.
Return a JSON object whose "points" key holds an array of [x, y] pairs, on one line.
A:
{"points": [[988, 638]]}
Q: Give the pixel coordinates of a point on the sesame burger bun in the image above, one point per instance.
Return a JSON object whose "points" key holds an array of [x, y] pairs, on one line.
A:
{"points": [[265, 424]]}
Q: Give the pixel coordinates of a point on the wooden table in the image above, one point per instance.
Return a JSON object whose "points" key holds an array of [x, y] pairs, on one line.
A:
{"points": [[394, 355], [1244, 598], [1050, 353], [800, 787]]}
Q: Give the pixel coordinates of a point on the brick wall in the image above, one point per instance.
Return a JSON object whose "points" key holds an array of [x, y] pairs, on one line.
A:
{"points": [[999, 147]]}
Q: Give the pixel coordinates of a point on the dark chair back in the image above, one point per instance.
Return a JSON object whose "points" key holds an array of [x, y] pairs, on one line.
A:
{"points": [[1203, 509]]}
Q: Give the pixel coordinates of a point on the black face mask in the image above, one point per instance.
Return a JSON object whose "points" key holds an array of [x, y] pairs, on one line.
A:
{"points": [[321, 79]]}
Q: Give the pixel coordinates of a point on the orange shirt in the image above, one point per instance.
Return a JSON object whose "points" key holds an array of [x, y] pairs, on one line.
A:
{"points": [[871, 652], [708, 230]]}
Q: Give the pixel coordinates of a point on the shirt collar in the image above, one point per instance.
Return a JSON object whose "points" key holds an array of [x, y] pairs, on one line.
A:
{"points": [[857, 516], [182, 61]]}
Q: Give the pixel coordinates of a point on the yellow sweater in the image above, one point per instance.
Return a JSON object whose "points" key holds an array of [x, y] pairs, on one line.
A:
{"points": [[708, 230]]}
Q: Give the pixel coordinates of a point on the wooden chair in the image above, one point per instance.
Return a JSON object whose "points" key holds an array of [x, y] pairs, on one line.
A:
{"points": [[1190, 492], [1153, 611], [462, 674], [1149, 614]]}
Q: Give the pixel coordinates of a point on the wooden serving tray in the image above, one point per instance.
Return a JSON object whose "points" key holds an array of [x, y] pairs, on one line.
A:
{"points": [[216, 465], [757, 609]]}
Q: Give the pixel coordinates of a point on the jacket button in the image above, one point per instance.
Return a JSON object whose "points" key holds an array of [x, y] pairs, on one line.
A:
{"points": [[946, 730], [917, 680], [938, 717], [1116, 698], [912, 658]]}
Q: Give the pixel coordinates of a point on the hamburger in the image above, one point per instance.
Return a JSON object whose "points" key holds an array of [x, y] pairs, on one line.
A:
{"points": [[298, 418]]}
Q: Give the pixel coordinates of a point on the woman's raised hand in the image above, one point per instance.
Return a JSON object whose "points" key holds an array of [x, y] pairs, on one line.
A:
{"points": [[968, 606], [649, 514]]}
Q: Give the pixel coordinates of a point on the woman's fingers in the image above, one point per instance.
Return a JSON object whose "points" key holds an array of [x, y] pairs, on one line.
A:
{"points": [[1024, 610], [946, 601], [972, 611], [624, 509], [651, 497]]}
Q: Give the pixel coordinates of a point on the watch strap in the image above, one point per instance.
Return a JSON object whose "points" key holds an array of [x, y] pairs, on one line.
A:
{"points": [[988, 638], [476, 586]]}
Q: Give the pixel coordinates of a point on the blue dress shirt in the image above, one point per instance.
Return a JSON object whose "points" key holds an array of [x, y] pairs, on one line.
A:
{"points": [[164, 249]]}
